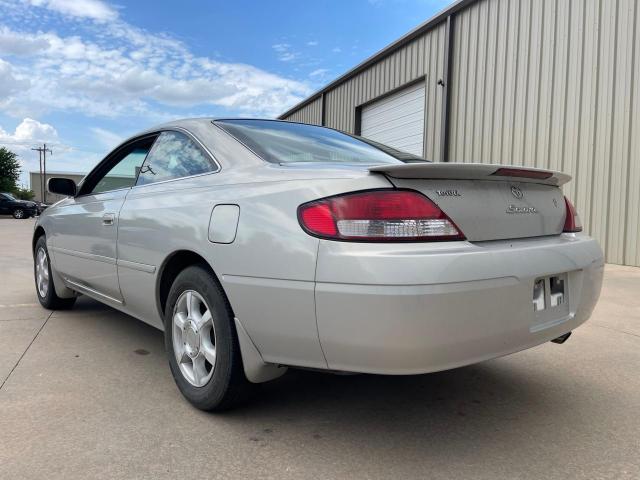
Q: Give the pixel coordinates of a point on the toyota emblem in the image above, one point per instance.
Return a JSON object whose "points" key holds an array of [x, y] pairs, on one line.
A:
{"points": [[516, 192]]}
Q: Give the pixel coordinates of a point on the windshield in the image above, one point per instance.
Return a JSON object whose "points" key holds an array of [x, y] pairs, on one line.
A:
{"points": [[286, 142], [9, 196]]}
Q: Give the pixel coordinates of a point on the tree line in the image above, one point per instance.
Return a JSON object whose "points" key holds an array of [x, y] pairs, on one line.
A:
{"points": [[9, 175]]}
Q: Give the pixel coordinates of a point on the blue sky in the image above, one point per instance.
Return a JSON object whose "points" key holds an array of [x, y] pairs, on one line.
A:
{"points": [[84, 74]]}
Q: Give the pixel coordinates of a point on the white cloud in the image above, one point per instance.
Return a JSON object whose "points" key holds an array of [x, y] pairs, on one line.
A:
{"points": [[319, 72], [9, 82], [125, 71], [284, 51], [13, 44], [29, 132], [107, 138], [336, 49], [93, 9], [312, 43]]}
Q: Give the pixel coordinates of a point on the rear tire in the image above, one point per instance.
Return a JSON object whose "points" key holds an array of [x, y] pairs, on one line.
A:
{"points": [[44, 280], [202, 344]]}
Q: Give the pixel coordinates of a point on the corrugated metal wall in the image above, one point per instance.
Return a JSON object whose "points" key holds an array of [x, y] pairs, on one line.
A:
{"points": [[546, 83], [555, 84], [310, 113]]}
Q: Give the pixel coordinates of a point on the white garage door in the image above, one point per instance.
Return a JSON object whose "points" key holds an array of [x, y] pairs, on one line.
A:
{"points": [[397, 120]]}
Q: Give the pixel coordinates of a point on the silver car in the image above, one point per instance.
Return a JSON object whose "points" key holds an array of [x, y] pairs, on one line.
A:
{"points": [[258, 245]]}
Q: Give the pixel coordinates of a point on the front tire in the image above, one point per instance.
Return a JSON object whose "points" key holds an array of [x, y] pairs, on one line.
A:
{"points": [[44, 280], [201, 342], [19, 214]]}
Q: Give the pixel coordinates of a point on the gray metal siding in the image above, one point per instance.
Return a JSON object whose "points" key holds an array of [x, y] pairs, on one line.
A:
{"points": [[554, 84], [310, 113]]}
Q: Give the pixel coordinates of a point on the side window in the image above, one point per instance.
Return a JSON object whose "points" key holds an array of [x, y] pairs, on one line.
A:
{"points": [[123, 174], [174, 155]]}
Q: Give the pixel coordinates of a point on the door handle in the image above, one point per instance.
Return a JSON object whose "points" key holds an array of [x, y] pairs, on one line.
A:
{"points": [[108, 218]]}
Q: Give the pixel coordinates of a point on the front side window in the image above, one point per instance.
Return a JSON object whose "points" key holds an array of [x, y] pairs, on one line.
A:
{"points": [[288, 142], [174, 155], [123, 174]]}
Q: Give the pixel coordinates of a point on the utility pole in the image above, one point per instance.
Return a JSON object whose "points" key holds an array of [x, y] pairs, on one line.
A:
{"points": [[43, 170]]}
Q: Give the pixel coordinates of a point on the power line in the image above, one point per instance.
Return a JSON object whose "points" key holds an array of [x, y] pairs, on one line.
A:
{"points": [[64, 146], [42, 151]]}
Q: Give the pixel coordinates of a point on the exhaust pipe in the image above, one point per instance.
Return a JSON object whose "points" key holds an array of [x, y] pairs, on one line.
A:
{"points": [[562, 338]]}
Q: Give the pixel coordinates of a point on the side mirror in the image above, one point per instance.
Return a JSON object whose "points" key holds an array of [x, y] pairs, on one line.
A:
{"points": [[62, 186]]}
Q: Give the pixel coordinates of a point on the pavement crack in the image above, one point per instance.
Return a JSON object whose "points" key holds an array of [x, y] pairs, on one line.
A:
{"points": [[615, 330], [26, 350], [18, 305]]}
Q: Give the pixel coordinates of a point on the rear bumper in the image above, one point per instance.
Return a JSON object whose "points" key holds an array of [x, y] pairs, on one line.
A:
{"points": [[406, 309]]}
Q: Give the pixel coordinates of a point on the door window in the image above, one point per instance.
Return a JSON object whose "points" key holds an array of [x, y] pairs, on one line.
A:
{"points": [[120, 169], [174, 155], [124, 173]]}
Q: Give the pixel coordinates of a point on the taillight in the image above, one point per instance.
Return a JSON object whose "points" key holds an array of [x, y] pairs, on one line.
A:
{"points": [[378, 216], [572, 221]]}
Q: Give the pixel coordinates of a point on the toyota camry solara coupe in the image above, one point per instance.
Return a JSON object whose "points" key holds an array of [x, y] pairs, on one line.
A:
{"points": [[258, 245]]}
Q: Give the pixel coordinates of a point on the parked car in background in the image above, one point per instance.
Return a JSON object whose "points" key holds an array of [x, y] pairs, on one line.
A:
{"points": [[257, 245], [9, 205]]}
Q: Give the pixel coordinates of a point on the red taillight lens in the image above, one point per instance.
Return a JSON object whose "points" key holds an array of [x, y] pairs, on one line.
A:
{"points": [[572, 221], [378, 215]]}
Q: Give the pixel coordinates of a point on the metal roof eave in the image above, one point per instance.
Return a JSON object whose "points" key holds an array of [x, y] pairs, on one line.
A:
{"points": [[430, 24]]}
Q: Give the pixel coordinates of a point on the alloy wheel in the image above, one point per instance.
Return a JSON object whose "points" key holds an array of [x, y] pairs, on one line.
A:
{"points": [[194, 339], [42, 272]]}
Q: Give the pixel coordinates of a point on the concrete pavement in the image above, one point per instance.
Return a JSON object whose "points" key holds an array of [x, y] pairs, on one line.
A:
{"points": [[88, 394]]}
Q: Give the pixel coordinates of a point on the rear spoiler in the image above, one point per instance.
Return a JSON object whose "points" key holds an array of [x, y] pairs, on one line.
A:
{"points": [[472, 171]]}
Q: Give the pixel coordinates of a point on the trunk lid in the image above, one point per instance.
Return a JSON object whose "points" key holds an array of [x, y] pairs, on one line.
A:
{"points": [[488, 202]]}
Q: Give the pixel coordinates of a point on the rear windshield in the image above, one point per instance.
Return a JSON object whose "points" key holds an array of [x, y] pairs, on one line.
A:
{"points": [[285, 142]]}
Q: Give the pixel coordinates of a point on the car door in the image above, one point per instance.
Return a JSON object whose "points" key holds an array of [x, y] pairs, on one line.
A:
{"points": [[86, 227], [161, 215], [4, 205]]}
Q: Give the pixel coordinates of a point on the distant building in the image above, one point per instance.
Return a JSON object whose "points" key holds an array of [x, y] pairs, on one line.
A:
{"points": [[542, 83], [35, 183]]}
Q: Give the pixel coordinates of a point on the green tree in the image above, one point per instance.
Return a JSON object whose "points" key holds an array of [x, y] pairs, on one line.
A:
{"points": [[9, 170], [24, 193]]}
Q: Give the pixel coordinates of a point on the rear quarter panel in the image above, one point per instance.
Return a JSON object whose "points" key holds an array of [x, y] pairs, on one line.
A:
{"points": [[268, 272]]}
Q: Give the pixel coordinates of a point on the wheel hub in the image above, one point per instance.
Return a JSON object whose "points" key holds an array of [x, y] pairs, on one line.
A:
{"points": [[192, 340]]}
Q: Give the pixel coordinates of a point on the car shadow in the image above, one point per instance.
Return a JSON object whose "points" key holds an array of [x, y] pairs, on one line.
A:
{"points": [[462, 406]]}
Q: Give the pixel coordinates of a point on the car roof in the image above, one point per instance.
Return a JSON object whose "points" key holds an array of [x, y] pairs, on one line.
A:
{"points": [[186, 122], [197, 126]]}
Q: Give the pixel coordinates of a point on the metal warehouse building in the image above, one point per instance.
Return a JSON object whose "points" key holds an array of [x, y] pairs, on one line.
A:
{"points": [[543, 83]]}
